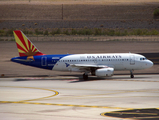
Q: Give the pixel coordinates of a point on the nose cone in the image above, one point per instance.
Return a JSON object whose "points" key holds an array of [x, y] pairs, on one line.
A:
{"points": [[149, 64]]}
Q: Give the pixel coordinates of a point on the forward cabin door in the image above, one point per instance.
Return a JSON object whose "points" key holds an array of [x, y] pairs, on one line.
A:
{"points": [[132, 60]]}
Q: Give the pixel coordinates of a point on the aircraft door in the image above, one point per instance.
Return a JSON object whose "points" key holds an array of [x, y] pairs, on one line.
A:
{"points": [[44, 61], [132, 60]]}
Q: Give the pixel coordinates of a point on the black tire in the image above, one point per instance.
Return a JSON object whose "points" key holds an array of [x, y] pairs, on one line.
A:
{"points": [[132, 76], [85, 77]]}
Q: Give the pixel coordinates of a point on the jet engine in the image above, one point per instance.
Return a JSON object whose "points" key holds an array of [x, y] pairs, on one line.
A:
{"points": [[104, 72]]}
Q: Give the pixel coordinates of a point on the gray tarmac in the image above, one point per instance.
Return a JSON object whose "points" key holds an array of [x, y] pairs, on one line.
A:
{"points": [[39, 98]]}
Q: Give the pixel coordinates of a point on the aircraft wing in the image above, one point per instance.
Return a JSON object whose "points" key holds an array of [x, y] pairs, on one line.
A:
{"points": [[87, 67]]}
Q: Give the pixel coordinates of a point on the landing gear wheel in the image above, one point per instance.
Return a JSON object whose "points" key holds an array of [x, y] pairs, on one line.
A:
{"points": [[85, 77], [131, 74]]}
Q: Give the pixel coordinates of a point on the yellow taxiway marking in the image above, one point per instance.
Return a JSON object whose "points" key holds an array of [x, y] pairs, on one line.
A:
{"points": [[105, 95], [56, 93], [71, 105]]}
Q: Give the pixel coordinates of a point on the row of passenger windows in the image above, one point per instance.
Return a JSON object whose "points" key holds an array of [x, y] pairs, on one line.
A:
{"points": [[93, 60]]}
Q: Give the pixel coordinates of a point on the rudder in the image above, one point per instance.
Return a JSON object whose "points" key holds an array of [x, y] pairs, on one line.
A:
{"points": [[24, 45]]}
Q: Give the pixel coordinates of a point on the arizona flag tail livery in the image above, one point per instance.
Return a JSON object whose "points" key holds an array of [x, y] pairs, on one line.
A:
{"points": [[24, 45]]}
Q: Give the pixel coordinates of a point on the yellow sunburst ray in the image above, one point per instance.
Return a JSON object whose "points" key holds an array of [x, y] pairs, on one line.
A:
{"points": [[19, 42]]}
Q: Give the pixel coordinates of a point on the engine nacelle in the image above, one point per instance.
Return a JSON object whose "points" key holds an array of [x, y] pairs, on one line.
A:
{"points": [[104, 72]]}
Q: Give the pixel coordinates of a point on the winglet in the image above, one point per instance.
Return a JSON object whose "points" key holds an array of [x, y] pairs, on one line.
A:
{"points": [[24, 45]]}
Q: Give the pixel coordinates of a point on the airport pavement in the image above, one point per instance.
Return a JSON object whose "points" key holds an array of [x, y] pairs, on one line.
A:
{"points": [[38, 98]]}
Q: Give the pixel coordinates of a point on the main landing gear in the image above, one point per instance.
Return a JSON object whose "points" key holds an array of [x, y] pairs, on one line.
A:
{"points": [[85, 76], [131, 74]]}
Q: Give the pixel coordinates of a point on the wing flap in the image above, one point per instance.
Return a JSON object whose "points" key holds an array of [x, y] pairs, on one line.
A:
{"points": [[88, 66]]}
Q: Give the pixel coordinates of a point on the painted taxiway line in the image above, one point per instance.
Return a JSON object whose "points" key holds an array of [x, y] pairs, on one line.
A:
{"points": [[71, 105], [55, 92]]}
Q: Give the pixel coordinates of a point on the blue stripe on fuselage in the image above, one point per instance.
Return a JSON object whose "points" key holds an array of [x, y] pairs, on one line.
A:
{"points": [[43, 61]]}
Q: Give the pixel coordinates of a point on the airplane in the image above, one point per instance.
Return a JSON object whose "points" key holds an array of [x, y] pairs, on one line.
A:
{"points": [[100, 65]]}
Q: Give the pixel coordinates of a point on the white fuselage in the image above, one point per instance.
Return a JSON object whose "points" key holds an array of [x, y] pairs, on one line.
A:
{"points": [[118, 61]]}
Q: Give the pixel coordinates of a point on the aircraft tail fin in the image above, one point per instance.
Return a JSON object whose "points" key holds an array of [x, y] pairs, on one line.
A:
{"points": [[24, 45]]}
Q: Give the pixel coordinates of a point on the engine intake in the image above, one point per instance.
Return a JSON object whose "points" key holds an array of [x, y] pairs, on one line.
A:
{"points": [[104, 72]]}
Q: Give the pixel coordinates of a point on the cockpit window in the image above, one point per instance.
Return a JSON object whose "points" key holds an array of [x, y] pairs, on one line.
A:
{"points": [[143, 58]]}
